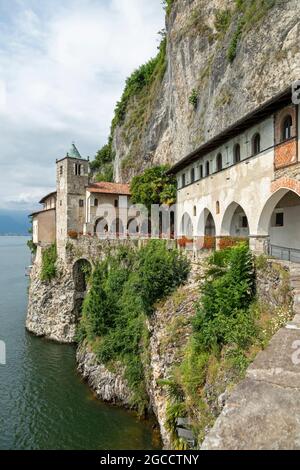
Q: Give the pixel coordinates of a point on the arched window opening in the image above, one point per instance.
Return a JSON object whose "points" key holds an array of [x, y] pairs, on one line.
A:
{"points": [[183, 180], [192, 175], [195, 211], [256, 144], [101, 227], [201, 171], [287, 128], [217, 207], [237, 153], [186, 226], [219, 162], [207, 168]]}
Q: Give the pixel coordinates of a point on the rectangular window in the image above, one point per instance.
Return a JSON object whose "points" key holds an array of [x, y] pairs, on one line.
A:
{"points": [[81, 203], [116, 203], [61, 170], [96, 202], [201, 171], [279, 222]]}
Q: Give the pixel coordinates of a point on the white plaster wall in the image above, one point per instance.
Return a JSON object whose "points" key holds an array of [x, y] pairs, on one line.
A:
{"points": [[247, 183], [289, 235], [266, 131]]}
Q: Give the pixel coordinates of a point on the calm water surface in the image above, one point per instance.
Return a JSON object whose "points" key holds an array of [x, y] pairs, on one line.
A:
{"points": [[43, 402]]}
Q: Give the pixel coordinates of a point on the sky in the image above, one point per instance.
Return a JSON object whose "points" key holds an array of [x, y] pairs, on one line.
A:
{"points": [[63, 64]]}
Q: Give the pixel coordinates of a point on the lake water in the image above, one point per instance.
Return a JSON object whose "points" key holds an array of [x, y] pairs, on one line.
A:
{"points": [[43, 402]]}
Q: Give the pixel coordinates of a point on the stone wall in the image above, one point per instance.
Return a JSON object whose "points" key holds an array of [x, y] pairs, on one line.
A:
{"points": [[52, 307], [273, 282]]}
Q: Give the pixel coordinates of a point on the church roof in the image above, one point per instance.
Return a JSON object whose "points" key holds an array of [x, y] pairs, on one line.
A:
{"points": [[73, 152], [109, 188]]}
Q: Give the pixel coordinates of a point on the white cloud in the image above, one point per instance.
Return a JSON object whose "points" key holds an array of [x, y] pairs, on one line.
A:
{"points": [[62, 70]]}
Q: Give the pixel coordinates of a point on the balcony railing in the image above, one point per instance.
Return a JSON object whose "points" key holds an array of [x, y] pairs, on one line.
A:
{"points": [[285, 254]]}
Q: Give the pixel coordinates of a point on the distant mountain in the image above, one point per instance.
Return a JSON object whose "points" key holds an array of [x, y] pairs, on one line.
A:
{"points": [[14, 222]]}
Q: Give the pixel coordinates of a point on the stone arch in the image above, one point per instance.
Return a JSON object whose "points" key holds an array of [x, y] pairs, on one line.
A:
{"points": [[206, 224], [82, 269], [266, 214], [133, 227], [235, 221], [101, 227], [279, 223], [186, 226]]}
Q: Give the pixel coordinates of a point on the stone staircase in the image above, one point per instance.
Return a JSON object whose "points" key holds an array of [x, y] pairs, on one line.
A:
{"points": [[263, 412]]}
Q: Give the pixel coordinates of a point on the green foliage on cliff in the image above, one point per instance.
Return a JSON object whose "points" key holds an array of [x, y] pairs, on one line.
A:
{"points": [[123, 291], [248, 12], [168, 5], [224, 331], [135, 106], [140, 81], [223, 313], [193, 99], [102, 165], [154, 186], [49, 258], [223, 20]]}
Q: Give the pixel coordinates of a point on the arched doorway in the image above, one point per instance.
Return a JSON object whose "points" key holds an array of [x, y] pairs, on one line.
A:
{"points": [[133, 227], [186, 227], [280, 222], [210, 226], [206, 224], [235, 222], [101, 228], [206, 231], [81, 272]]}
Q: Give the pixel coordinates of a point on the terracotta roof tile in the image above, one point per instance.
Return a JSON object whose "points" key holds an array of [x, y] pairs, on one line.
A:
{"points": [[109, 188]]}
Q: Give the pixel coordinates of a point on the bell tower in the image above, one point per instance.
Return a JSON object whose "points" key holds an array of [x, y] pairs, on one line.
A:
{"points": [[72, 178]]}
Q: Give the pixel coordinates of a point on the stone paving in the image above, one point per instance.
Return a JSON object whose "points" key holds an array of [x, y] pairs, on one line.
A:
{"points": [[263, 411]]}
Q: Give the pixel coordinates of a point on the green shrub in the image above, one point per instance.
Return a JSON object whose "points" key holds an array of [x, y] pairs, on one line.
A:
{"points": [[123, 291], [193, 99], [168, 5], [49, 258], [249, 12], [223, 315], [154, 186], [222, 20]]}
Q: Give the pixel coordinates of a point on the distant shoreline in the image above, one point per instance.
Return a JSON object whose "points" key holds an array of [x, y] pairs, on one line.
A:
{"points": [[14, 235]]}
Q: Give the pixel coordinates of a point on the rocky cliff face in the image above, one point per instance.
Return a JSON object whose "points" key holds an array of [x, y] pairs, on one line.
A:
{"points": [[222, 61], [52, 307]]}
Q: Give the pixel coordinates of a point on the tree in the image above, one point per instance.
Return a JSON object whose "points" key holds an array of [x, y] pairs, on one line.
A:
{"points": [[154, 186], [103, 163]]}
